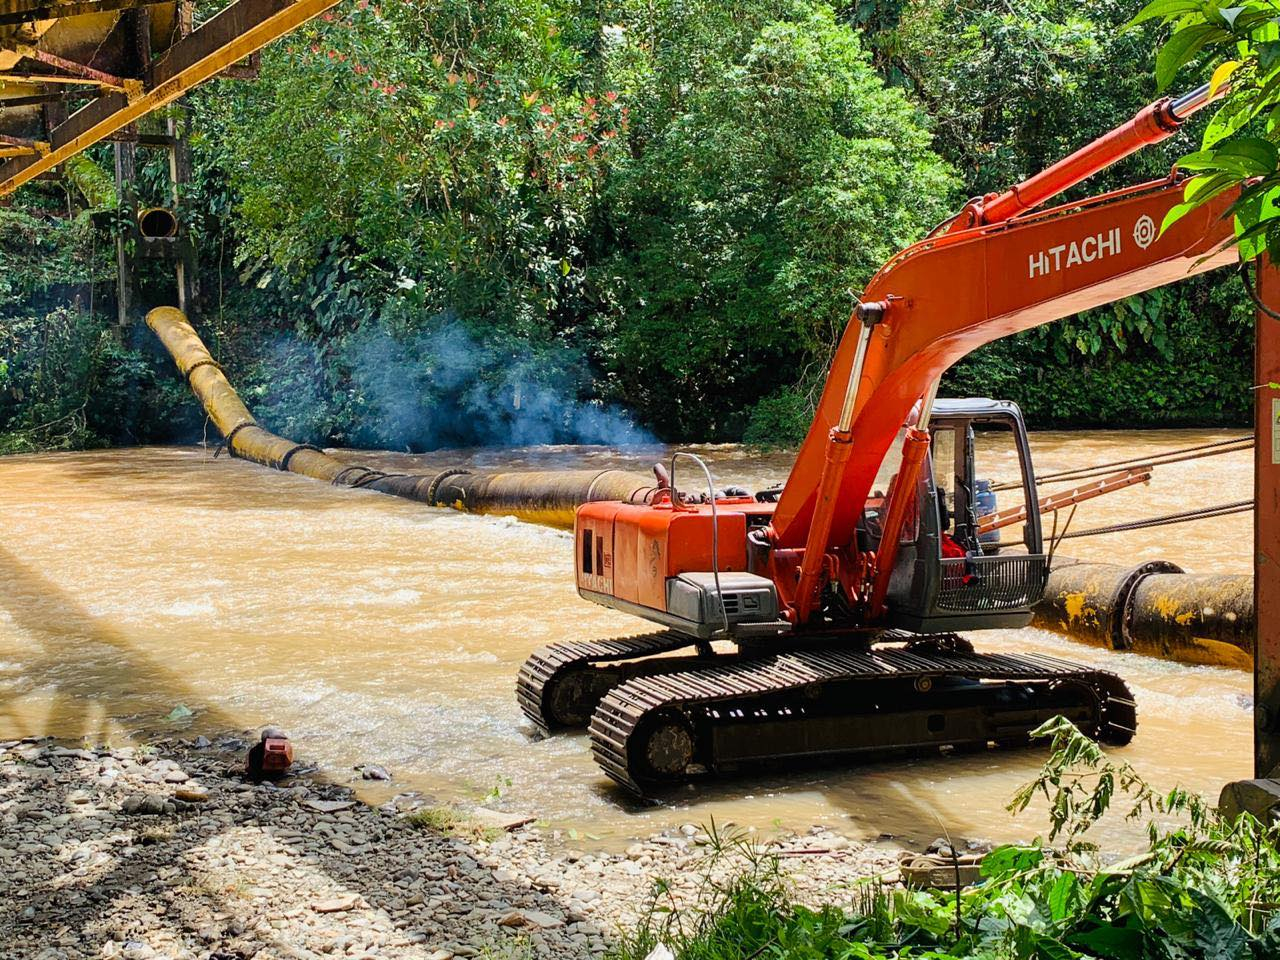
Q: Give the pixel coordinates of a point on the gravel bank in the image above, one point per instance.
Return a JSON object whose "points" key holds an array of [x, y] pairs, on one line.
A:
{"points": [[165, 851]]}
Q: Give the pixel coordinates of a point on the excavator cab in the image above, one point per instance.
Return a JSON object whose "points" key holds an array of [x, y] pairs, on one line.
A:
{"points": [[950, 575]]}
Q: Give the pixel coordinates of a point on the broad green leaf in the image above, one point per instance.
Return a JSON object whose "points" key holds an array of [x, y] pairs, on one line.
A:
{"points": [[1229, 118], [1113, 943], [1244, 159], [1200, 160], [1268, 55], [1217, 933], [1252, 155], [1165, 10], [1180, 48], [1200, 190], [1265, 99], [1011, 859], [1256, 216], [1245, 21], [1129, 864], [1062, 896], [1230, 14], [1256, 201], [1043, 947]]}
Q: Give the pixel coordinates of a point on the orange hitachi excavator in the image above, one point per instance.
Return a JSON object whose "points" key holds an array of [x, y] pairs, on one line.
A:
{"points": [[842, 594]]}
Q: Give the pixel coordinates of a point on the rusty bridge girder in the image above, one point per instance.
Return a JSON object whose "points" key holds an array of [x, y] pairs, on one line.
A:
{"points": [[75, 73]]}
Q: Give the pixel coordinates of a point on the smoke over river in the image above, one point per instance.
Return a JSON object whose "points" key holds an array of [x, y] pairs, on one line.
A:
{"points": [[377, 630], [441, 387]]}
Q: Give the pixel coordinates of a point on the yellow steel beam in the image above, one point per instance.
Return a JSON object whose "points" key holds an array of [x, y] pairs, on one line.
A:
{"points": [[237, 31], [35, 79]]}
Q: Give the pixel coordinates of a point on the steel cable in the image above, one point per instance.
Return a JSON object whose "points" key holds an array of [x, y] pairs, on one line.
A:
{"points": [[1214, 449], [1203, 513]]}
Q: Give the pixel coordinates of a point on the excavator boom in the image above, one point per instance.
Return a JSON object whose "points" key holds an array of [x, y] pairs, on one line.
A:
{"points": [[954, 292]]}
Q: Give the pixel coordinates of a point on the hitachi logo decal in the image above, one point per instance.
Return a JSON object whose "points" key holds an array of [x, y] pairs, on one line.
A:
{"points": [[1067, 255]]}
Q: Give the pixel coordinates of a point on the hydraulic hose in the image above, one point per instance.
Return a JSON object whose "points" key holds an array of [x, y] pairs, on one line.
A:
{"points": [[548, 498]]}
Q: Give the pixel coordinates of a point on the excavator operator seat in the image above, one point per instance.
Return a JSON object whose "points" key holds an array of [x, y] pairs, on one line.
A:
{"points": [[951, 574]]}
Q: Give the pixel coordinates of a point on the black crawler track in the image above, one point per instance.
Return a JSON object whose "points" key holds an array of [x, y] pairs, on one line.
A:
{"points": [[594, 666], [587, 663], [1007, 696]]}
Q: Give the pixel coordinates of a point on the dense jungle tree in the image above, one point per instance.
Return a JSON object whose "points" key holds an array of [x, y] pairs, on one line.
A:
{"points": [[546, 220]]}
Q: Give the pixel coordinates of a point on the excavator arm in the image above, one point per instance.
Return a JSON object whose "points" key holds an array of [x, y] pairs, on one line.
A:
{"points": [[974, 281]]}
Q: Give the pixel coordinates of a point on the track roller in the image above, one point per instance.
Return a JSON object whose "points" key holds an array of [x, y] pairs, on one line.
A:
{"points": [[560, 685]]}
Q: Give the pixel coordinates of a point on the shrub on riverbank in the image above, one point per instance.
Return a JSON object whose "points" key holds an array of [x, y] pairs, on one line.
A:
{"points": [[1204, 887]]}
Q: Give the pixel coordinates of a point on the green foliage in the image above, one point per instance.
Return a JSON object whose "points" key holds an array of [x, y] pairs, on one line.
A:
{"points": [[1013, 88], [779, 419], [1238, 45], [767, 193], [441, 153], [1177, 356], [53, 351], [1204, 888], [678, 214], [552, 220]]}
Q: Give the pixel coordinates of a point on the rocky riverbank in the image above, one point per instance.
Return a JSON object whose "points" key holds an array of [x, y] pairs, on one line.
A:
{"points": [[164, 850]]}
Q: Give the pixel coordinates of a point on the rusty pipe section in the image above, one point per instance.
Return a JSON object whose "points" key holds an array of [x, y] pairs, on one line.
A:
{"points": [[548, 498], [1154, 609]]}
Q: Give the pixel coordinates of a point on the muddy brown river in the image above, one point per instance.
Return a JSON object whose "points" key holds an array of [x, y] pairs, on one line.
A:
{"points": [[379, 630]]}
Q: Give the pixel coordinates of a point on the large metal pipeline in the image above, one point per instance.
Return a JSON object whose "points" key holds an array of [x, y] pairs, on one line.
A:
{"points": [[1153, 609], [547, 497]]}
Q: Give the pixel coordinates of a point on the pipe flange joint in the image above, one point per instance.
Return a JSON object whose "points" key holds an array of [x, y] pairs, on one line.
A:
{"points": [[205, 362], [296, 448], [340, 477], [231, 437], [434, 486], [1121, 632]]}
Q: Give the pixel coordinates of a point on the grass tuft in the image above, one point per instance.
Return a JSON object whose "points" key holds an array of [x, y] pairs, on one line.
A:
{"points": [[439, 819], [450, 822]]}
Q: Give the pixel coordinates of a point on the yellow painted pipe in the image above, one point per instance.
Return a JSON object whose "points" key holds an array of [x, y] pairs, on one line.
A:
{"points": [[1154, 609], [1199, 618], [1087, 601], [548, 498]]}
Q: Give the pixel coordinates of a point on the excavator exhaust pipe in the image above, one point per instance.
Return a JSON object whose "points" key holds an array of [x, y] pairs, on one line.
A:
{"points": [[549, 498]]}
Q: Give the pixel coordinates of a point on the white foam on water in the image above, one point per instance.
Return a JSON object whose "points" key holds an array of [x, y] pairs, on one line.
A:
{"points": [[391, 598], [188, 608]]}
